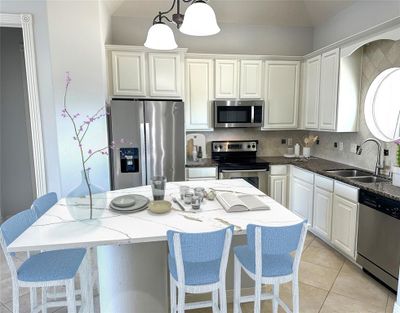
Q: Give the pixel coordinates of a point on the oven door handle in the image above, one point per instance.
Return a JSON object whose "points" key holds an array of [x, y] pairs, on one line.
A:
{"points": [[245, 171]]}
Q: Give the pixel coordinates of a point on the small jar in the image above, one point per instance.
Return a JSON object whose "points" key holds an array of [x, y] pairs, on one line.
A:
{"points": [[196, 202], [188, 197], [183, 190], [200, 191]]}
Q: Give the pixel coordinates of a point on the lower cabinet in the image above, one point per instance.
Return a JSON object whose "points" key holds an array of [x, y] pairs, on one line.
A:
{"points": [[201, 173], [323, 202], [344, 222], [278, 183], [302, 198]]}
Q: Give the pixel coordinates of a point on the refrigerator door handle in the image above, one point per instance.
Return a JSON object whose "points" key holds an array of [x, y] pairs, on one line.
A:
{"points": [[147, 133], [143, 154]]}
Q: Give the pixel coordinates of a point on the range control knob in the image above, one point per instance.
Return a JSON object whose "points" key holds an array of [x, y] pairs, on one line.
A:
{"points": [[254, 146], [248, 146]]}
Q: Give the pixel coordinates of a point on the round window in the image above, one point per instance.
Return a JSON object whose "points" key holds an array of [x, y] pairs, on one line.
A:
{"points": [[382, 105]]}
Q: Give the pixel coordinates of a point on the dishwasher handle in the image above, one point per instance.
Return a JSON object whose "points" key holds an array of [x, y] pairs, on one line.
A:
{"points": [[245, 171]]}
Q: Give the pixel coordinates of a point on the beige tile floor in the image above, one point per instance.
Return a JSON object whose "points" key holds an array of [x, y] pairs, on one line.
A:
{"points": [[328, 284]]}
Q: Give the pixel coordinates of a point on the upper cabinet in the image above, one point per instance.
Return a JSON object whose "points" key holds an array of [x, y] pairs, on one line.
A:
{"points": [[226, 79], [311, 105], [165, 75], [331, 92], [238, 79], [282, 80], [135, 72], [328, 90], [250, 79], [199, 93], [128, 73]]}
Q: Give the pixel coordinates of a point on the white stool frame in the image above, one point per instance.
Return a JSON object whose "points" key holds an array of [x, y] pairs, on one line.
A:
{"points": [[216, 289], [275, 281], [71, 303]]}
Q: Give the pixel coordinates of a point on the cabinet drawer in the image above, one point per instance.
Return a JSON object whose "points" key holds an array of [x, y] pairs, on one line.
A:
{"points": [[324, 183], [278, 170], [304, 175], [201, 172], [346, 191]]}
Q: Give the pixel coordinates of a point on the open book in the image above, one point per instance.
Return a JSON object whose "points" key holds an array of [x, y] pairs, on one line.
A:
{"points": [[232, 202]]}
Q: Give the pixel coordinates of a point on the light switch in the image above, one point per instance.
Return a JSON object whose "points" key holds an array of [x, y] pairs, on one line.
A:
{"points": [[341, 145]]}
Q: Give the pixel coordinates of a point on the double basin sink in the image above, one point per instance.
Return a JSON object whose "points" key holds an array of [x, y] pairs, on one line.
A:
{"points": [[357, 176]]}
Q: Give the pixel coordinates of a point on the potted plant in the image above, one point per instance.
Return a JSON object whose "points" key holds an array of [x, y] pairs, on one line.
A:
{"points": [[396, 167]]}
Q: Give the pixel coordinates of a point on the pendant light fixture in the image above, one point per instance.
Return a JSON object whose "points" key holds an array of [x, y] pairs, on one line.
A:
{"points": [[199, 20]]}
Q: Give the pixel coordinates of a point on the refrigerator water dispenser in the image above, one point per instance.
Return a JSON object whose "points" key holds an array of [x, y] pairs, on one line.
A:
{"points": [[129, 158]]}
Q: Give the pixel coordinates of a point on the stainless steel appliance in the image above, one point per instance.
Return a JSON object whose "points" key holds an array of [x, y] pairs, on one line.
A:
{"points": [[378, 247], [149, 138], [238, 113], [238, 159]]}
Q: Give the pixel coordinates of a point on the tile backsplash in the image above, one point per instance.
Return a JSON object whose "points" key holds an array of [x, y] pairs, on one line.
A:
{"points": [[269, 142], [377, 57]]}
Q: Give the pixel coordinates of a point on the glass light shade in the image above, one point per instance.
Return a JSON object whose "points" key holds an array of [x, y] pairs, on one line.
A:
{"points": [[160, 37], [199, 20]]}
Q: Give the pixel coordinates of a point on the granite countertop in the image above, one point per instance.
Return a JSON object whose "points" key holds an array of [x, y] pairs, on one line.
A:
{"points": [[205, 162], [320, 166]]}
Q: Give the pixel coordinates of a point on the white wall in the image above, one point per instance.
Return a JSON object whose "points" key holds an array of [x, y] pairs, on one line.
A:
{"points": [[77, 45], [233, 38], [358, 17], [40, 29], [17, 189]]}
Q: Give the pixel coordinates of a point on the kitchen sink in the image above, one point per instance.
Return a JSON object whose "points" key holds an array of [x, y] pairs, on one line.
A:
{"points": [[349, 173], [369, 179]]}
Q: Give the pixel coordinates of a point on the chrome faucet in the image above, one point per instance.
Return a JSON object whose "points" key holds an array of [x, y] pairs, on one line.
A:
{"points": [[378, 165]]}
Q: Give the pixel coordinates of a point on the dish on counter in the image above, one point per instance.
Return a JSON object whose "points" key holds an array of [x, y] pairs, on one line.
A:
{"points": [[160, 206]]}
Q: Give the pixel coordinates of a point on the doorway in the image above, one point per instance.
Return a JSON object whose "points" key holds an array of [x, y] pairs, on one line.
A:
{"points": [[17, 179]]}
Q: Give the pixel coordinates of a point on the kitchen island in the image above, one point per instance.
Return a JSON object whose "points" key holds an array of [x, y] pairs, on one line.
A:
{"points": [[132, 248]]}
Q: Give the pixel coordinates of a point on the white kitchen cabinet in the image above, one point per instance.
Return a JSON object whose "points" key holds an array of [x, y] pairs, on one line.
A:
{"points": [[282, 79], [328, 94], [344, 222], [278, 188], [128, 73], [226, 79], [311, 105], [250, 79], [323, 202], [199, 93], [201, 173], [165, 71], [302, 193], [278, 183]]}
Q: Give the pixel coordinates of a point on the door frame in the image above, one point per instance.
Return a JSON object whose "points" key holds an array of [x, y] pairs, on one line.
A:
{"points": [[25, 21]]}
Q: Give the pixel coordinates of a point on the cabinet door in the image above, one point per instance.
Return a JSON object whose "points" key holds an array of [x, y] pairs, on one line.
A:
{"points": [[278, 187], [226, 79], [199, 92], [250, 79], [328, 90], [313, 71], [281, 94], [301, 198], [344, 220], [322, 213], [165, 75], [128, 70]]}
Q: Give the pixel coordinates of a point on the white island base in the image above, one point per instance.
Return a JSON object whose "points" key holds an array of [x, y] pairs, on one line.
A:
{"points": [[134, 278]]}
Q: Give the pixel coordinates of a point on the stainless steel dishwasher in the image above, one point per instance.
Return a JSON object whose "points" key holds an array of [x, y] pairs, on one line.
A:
{"points": [[378, 247]]}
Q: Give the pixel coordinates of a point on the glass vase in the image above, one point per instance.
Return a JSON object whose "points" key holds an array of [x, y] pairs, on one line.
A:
{"points": [[79, 204]]}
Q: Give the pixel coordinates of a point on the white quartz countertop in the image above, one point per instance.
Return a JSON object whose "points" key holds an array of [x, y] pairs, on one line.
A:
{"points": [[57, 229]]}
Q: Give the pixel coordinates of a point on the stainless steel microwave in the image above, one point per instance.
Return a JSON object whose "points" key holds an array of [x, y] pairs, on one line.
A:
{"points": [[238, 113]]}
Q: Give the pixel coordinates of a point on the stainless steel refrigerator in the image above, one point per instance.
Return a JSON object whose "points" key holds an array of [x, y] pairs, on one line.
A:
{"points": [[149, 139]]}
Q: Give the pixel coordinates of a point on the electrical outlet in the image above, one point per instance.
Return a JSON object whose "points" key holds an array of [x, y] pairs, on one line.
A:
{"points": [[335, 144], [283, 141], [341, 145], [290, 141], [353, 148]]}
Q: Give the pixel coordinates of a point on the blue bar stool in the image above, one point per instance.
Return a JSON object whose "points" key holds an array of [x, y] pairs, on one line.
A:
{"points": [[267, 260], [42, 204], [197, 264], [45, 269]]}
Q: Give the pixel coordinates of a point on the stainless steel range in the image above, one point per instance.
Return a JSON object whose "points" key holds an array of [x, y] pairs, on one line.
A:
{"points": [[238, 159]]}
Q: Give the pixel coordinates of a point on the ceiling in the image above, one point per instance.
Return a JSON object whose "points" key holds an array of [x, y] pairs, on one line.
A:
{"points": [[294, 13]]}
